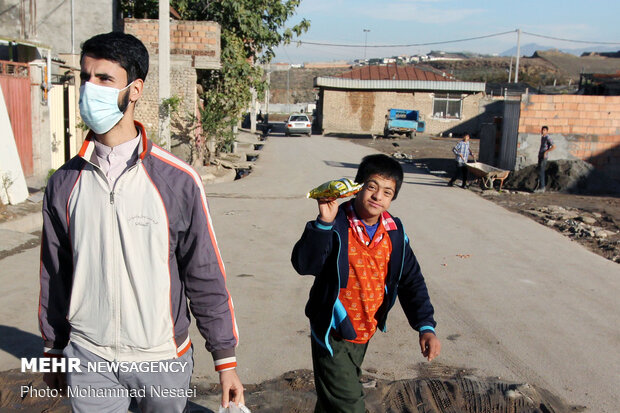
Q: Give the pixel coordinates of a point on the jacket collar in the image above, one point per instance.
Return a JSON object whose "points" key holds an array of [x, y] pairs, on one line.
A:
{"points": [[88, 147]]}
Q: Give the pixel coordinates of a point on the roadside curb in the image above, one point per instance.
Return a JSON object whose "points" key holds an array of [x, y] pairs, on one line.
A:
{"points": [[26, 224]]}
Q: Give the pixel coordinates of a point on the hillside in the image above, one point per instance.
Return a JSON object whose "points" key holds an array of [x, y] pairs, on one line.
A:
{"points": [[301, 84], [535, 71], [542, 69]]}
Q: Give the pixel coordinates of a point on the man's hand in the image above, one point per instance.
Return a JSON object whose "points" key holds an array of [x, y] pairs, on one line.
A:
{"points": [[328, 209], [232, 389], [56, 380], [430, 345]]}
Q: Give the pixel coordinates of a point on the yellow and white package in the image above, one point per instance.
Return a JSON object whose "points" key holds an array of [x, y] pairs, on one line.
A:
{"points": [[339, 188]]}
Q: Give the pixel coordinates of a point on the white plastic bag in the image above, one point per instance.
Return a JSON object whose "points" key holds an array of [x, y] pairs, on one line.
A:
{"points": [[234, 408]]}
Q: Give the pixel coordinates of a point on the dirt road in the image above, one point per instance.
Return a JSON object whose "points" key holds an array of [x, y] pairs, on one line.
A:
{"points": [[514, 300], [514, 304]]}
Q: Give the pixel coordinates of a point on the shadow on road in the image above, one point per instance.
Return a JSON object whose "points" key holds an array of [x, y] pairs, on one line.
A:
{"points": [[337, 164], [20, 343]]}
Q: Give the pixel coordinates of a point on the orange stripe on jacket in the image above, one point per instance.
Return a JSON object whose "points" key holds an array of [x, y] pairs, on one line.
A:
{"points": [[179, 164]]}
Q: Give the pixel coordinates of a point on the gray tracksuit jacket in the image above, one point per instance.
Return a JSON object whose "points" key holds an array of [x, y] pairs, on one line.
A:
{"points": [[119, 263]]}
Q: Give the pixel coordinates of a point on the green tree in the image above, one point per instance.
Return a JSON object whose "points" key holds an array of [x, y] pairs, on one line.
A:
{"points": [[251, 29]]}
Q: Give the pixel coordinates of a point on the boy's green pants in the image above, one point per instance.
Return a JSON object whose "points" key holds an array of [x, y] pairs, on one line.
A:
{"points": [[337, 377]]}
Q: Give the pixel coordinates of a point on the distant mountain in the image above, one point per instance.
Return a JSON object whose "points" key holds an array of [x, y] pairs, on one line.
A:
{"points": [[530, 48]]}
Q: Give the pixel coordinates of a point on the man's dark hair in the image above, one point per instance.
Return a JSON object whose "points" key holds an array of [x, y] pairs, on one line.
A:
{"points": [[122, 48], [381, 165], [544, 128]]}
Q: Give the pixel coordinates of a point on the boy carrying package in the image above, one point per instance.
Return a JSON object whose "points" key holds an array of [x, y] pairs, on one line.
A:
{"points": [[361, 259]]}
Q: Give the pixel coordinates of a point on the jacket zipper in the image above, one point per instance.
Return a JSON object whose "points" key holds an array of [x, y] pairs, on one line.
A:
{"points": [[115, 274], [329, 347], [117, 300], [116, 296]]}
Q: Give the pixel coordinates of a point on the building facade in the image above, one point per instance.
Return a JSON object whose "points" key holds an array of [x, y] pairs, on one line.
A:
{"points": [[356, 102]]}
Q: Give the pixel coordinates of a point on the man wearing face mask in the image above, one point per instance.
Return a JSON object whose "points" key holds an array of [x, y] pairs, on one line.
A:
{"points": [[127, 240]]}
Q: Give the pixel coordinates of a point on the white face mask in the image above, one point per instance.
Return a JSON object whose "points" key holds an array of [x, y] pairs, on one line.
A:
{"points": [[99, 106]]}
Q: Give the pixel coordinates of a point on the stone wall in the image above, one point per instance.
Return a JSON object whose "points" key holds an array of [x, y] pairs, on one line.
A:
{"points": [[582, 127], [183, 80], [363, 111]]}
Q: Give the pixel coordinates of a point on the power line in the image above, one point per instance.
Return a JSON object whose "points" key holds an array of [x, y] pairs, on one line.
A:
{"points": [[301, 42], [568, 40], [409, 45]]}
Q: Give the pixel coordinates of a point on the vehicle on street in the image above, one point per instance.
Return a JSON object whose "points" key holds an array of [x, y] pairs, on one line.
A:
{"points": [[298, 124], [403, 122]]}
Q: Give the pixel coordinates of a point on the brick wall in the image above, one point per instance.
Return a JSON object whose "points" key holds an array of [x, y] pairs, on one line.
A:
{"points": [[363, 111], [193, 45], [200, 40], [582, 127]]}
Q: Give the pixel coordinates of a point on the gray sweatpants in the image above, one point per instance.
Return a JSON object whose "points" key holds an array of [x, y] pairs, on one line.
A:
{"points": [[112, 391]]}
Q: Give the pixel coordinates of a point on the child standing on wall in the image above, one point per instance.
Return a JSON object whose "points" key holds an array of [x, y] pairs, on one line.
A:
{"points": [[361, 259]]}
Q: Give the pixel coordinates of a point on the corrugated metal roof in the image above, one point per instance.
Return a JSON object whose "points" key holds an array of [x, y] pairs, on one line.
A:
{"points": [[433, 85], [394, 72]]}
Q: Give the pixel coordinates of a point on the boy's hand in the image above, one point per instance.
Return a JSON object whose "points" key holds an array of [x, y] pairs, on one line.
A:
{"points": [[430, 345], [328, 209]]}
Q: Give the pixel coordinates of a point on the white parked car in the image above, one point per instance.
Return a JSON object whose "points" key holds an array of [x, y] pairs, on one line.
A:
{"points": [[298, 123]]}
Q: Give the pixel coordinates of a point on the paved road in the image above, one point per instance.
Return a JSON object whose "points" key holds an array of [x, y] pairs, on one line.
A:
{"points": [[524, 304]]}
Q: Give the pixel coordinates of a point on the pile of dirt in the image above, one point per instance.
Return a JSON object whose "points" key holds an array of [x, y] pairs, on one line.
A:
{"points": [[568, 176], [440, 389]]}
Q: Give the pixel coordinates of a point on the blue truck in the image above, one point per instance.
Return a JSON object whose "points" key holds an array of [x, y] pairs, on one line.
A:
{"points": [[403, 122]]}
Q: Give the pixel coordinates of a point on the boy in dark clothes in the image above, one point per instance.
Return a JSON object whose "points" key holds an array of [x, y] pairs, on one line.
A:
{"points": [[361, 259]]}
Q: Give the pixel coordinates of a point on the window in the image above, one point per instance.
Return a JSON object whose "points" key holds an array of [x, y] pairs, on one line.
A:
{"points": [[299, 118], [447, 105]]}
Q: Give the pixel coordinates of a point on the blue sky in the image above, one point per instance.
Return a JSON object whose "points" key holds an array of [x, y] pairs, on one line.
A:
{"points": [[423, 21]]}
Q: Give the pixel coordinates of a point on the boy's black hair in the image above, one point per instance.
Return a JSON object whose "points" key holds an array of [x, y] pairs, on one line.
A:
{"points": [[544, 127], [381, 165], [122, 48]]}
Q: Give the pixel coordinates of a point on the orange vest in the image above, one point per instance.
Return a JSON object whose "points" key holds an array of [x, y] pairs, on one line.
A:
{"points": [[365, 290]]}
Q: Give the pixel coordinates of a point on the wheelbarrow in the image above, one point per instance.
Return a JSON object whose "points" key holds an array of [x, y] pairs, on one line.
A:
{"points": [[487, 174]]}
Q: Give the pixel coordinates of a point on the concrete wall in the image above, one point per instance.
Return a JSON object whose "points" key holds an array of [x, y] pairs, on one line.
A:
{"points": [[582, 127], [363, 112], [53, 22]]}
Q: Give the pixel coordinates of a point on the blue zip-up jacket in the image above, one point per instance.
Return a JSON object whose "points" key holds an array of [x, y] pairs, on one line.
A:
{"points": [[322, 251]]}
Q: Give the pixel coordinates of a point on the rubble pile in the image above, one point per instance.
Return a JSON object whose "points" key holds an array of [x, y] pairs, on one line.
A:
{"points": [[571, 176], [402, 156], [581, 226]]}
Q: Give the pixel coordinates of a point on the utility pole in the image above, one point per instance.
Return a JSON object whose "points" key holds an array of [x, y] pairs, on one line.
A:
{"points": [[72, 29], [267, 92], [288, 80], [518, 55], [253, 111], [164, 72], [366, 31], [510, 70]]}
